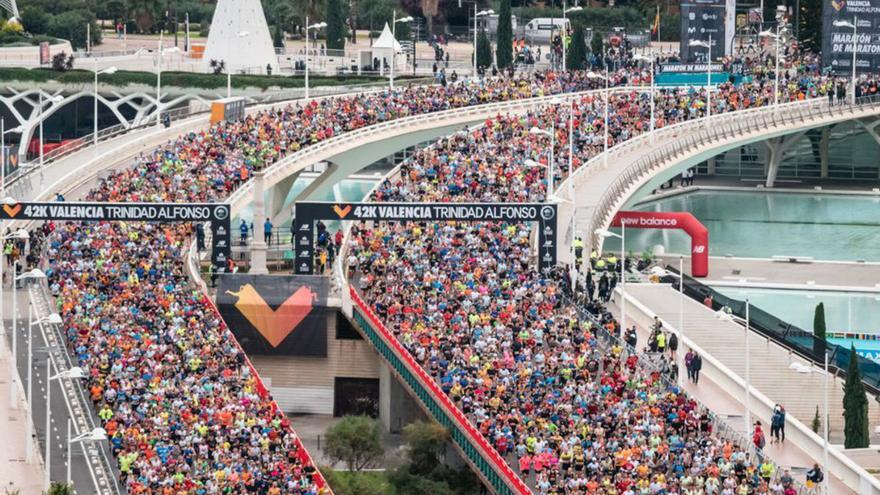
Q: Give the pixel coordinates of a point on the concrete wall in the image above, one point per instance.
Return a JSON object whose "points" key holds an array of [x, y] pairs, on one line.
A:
{"points": [[29, 56]]}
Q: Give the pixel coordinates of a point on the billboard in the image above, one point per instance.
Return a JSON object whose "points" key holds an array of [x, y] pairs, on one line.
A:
{"points": [[276, 314], [308, 212], [701, 19], [837, 42]]}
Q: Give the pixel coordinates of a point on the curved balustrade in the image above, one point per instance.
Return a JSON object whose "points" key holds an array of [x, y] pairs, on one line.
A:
{"points": [[375, 133], [688, 139]]}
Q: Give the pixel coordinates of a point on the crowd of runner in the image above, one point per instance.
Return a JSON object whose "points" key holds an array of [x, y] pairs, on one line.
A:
{"points": [[184, 410]]}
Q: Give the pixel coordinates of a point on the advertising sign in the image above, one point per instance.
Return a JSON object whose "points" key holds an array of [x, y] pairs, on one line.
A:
{"points": [[672, 220], [837, 41], [702, 19], [44, 53], [276, 315], [217, 214], [307, 212]]}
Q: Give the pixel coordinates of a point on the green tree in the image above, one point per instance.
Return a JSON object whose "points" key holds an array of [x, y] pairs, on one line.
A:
{"points": [[819, 331], [596, 45], [354, 483], [576, 56], [504, 37], [59, 489], [144, 13], [426, 443], [855, 406], [35, 20], [278, 36], [484, 50], [335, 19], [817, 422], [355, 441]]}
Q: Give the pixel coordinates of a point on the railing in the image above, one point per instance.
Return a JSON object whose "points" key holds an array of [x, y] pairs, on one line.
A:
{"points": [[792, 338], [349, 140], [695, 134], [487, 462]]}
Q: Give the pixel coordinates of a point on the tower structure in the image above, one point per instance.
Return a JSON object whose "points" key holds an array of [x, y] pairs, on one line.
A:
{"points": [[239, 37]]}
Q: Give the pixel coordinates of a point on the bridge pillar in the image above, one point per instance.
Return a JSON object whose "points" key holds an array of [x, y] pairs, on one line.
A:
{"points": [[710, 164], [776, 148], [277, 196], [258, 245], [325, 182], [396, 408], [823, 153]]}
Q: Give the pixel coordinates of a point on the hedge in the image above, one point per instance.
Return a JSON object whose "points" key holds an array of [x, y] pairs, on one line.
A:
{"points": [[180, 79]]}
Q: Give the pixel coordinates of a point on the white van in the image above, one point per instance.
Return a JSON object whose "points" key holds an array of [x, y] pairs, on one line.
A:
{"points": [[541, 29]]}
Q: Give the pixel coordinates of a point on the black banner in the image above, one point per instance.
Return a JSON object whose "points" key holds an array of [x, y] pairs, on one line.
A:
{"points": [[217, 214], [837, 41], [307, 212], [276, 315], [699, 21]]}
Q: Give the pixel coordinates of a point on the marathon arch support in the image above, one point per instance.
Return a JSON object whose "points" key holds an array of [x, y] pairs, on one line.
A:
{"points": [[672, 220], [306, 213]]}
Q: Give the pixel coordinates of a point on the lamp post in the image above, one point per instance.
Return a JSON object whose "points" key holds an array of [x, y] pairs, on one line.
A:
{"points": [[680, 276], [651, 60], [708, 47], [825, 424], [108, 70], [777, 36], [3, 133], [20, 234], [723, 316], [309, 28], [476, 15], [550, 172], [564, 26], [394, 21], [604, 233], [97, 435], [855, 45], [75, 372], [54, 319], [52, 99], [239, 35]]}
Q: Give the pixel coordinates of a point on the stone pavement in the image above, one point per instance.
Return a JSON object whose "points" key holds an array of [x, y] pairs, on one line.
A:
{"points": [[721, 402]]}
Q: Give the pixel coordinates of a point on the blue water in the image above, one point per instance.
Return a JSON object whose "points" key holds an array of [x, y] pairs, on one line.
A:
{"points": [[765, 224]]}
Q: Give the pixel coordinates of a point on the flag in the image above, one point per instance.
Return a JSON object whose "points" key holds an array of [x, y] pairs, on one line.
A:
{"points": [[655, 28]]}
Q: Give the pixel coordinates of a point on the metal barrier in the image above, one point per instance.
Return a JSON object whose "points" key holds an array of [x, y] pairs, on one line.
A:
{"points": [[485, 460]]}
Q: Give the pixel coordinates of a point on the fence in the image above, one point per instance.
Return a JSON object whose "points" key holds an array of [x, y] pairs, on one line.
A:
{"points": [[799, 341]]}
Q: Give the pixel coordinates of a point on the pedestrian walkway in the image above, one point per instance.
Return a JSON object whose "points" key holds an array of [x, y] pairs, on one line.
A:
{"points": [[15, 471], [721, 402]]}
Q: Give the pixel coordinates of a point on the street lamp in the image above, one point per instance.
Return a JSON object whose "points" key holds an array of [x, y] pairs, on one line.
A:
{"points": [[564, 26], [541, 132], [604, 233], [594, 75], [52, 99], [53, 319], [724, 316], [239, 35], [3, 133], [855, 45], [651, 60], [108, 70], [18, 234], [777, 36], [394, 21], [481, 13], [76, 372], [309, 28], [97, 435], [708, 47]]}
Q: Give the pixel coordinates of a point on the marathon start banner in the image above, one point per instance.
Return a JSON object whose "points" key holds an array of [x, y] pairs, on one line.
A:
{"points": [[217, 214], [306, 213], [672, 220], [837, 41]]}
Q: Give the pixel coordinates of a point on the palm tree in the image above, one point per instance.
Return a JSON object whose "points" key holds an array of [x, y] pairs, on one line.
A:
{"points": [[144, 13]]}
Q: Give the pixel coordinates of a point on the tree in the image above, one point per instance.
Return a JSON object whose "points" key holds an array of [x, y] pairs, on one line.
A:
{"points": [[335, 19], [426, 443], [278, 36], [35, 20], [817, 422], [576, 56], [596, 46], [504, 37], [819, 331], [354, 440], [810, 25], [484, 50], [144, 13], [855, 406], [59, 489], [363, 483]]}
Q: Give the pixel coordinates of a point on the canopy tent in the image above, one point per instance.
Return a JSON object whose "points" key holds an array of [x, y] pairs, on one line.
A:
{"points": [[381, 50], [386, 41]]}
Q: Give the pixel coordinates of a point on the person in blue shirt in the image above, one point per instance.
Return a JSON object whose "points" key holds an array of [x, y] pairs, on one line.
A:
{"points": [[267, 237], [244, 232]]}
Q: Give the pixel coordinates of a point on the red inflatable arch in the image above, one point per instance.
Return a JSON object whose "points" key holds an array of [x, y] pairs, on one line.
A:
{"points": [[673, 220]]}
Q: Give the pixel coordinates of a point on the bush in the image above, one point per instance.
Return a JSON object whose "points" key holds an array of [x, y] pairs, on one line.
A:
{"points": [[355, 441], [204, 29], [12, 26], [61, 62]]}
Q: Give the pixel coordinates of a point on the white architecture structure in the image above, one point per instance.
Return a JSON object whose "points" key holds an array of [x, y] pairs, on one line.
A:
{"points": [[384, 46], [240, 38]]}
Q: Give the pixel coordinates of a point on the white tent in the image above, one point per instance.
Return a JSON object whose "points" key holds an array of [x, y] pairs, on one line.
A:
{"points": [[382, 47], [240, 38]]}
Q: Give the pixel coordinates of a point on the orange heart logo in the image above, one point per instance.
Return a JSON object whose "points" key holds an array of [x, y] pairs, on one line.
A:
{"points": [[342, 212], [12, 210], [274, 325]]}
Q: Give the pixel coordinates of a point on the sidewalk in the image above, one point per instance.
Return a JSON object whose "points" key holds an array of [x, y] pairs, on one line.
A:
{"points": [[722, 403]]}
